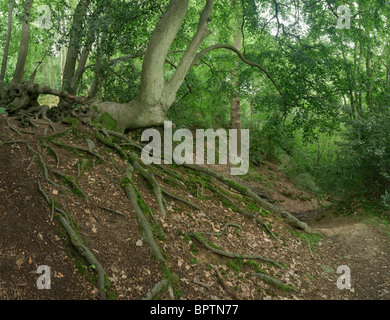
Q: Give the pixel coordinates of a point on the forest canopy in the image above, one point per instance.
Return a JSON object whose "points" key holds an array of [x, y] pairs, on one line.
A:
{"points": [[309, 78]]}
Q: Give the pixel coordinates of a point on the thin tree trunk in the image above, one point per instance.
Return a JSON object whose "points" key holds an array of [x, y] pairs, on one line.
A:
{"points": [[6, 46], [235, 110], [46, 72], [359, 107], [74, 44], [60, 63], [98, 71], [53, 73], [369, 75], [24, 43], [352, 100]]}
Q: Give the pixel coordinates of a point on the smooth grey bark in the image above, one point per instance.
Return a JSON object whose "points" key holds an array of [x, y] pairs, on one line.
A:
{"points": [[156, 95]]}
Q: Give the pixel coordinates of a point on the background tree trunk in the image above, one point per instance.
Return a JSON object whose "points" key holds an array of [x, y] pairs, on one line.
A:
{"points": [[74, 44], [6, 46], [235, 110], [98, 68], [24, 43]]}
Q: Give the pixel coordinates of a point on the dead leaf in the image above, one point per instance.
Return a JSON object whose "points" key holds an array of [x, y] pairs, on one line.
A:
{"points": [[19, 262]]}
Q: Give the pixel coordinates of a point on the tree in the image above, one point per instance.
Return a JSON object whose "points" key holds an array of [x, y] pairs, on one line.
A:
{"points": [[157, 92], [24, 43], [6, 46], [235, 113], [156, 95]]}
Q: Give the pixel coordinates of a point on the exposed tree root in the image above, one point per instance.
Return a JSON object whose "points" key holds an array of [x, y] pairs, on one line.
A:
{"points": [[13, 128], [132, 158], [47, 121], [55, 135], [230, 254], [80, 247], [111, 210], [173, 196], [21, 101], [108, 142], [143, 222], [274, 282], [226, 287], [290, 219], [73, 184], [127, 141], [13, 142], [169, 172], [156, 289], [44, 167], [158, 193], [32, 161], [223, 229], [52, 151], [77, 148], [142, 209], [250, 215]]}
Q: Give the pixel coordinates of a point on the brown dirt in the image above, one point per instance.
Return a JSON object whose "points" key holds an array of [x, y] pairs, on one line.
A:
{"points": [[29, 237], [364, 248]]}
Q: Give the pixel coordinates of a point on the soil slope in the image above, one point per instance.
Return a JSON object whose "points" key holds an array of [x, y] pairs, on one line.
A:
{"points": [[30, 234]]}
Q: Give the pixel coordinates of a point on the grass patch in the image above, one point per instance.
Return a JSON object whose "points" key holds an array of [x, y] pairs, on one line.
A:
{"points": [[311, 239]]}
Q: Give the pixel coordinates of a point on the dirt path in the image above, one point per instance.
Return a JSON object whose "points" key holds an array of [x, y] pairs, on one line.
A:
{"points": [[365, 249]]}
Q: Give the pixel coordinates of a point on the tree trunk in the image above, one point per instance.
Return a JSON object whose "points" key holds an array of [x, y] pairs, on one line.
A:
{"points": [[235, 111], [24, 43], [53, 73], [74, 44], [369, 75], [98, 67], [46, 74], [6, 46], [156, 95]]}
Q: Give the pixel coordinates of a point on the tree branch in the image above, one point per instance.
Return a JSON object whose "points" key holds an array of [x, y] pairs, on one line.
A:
{"points": [[245, 60], [152, 78], [190, 55]]}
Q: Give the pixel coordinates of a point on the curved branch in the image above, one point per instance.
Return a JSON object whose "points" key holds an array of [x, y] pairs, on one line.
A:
{"points": [[245, 60], [114, 61]]}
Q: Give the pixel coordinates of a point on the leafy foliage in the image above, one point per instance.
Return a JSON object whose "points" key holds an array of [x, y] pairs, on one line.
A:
{"points": [[332, 133]]}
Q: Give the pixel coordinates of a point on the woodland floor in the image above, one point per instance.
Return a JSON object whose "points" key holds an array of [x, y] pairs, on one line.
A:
{"points": [[30, 236]]}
